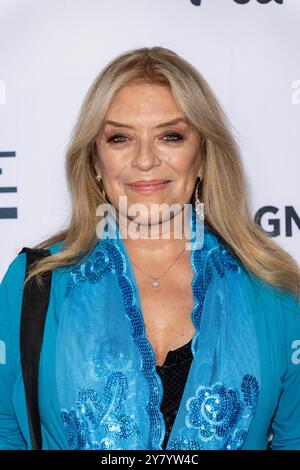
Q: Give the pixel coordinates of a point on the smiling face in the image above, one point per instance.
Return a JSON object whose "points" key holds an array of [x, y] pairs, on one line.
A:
{"points": [[136, 145]]}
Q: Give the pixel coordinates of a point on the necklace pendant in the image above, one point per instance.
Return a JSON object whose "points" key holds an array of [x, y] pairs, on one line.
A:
{"points": [[155, 283]]}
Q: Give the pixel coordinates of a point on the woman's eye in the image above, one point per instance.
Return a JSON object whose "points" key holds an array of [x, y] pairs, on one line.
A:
{"points": [[113, 138], [171, 137], [174, 136]]}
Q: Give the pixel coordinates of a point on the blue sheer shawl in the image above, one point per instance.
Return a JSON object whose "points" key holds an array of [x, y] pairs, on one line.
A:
{"points": [[108, 387]]}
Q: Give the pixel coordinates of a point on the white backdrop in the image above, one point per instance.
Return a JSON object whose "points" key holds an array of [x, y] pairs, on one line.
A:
{"points": [[51, 50]]}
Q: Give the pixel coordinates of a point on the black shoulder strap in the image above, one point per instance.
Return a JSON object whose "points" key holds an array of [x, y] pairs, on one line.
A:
{"points": [[33, 316]]}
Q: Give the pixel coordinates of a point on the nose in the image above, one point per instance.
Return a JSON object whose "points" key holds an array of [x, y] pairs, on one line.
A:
{"points": [[145, 158]]}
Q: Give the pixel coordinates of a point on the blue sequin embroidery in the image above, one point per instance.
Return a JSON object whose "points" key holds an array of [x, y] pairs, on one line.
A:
{"points": [[213, 411], [105, 412], [107, 257], [96, 265]]}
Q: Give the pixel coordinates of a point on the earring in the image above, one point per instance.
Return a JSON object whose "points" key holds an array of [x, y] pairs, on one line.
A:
{"points": [[199, 206], [99, 179]]}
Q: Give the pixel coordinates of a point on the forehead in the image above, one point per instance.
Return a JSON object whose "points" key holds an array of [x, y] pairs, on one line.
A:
{"points": [[147, 101]]}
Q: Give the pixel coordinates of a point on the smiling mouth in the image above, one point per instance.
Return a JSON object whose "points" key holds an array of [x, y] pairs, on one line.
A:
{"points": [[148, 186], [147, 182]]}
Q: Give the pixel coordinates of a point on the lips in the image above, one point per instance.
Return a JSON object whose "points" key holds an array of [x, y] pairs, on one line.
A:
{"points": [[148, 186], [142, 183]]}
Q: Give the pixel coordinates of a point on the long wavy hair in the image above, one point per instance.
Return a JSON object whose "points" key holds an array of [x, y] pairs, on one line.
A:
{"points": [[223, 189]]}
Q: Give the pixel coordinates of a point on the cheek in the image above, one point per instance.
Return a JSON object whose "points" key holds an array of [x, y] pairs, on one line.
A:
{"points": [[112, 178], [112, 166], [185, 165]]}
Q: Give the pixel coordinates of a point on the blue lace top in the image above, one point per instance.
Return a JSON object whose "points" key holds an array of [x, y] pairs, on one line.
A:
{"points": [[277, 323]]}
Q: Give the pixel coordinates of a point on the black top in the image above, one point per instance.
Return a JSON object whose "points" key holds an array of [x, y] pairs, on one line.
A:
{"points": [[174, 373]]}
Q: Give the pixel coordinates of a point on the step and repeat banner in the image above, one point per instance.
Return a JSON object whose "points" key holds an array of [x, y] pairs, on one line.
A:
{"points": [[50, 51]]}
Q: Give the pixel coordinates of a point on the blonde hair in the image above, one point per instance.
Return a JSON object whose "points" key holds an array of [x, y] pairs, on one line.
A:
{"points": [[223, 189]]}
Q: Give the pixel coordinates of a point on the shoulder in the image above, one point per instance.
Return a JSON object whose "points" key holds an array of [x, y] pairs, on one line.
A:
{"points": [[11, 288], [12, 282], [277, 314], [16, 268], [56, 247], [275, 301]]}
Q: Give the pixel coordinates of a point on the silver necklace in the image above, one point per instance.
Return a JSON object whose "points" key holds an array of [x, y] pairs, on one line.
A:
{"points": [[155, 280]]}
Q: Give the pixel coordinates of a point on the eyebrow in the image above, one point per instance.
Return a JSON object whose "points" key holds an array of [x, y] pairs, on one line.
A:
{"points": [[163, 124]]}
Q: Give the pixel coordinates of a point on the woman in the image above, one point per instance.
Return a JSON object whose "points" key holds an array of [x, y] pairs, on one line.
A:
{"points": [[157, 342]]}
